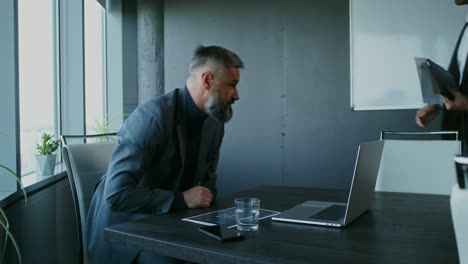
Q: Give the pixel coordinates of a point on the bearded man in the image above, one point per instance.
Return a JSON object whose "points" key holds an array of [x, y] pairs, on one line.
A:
{"points": [[166, 155]]}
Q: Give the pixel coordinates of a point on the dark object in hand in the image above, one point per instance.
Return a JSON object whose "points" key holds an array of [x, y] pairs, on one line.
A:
{"points": [[443, 79], [221, 233]]}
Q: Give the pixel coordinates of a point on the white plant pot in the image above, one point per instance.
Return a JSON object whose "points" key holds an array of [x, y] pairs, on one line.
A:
{"points": [[45, 164]]}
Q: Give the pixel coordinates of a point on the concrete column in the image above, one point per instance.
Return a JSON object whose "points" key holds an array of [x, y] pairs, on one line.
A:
{"points": [[150, 39], [9, 98]]}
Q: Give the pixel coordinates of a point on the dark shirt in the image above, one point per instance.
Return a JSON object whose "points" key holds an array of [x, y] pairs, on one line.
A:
{"points": [[195, 121]]}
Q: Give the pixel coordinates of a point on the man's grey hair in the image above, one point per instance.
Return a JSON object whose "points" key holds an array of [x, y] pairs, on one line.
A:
{"points": [[215, 54]]}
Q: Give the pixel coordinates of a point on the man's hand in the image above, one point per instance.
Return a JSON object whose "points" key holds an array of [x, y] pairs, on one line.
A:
{"points": [[198, 196], [460, 102], [426, 114]]}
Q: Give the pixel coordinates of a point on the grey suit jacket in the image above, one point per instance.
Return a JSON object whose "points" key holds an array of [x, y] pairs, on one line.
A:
{"points": [[146, 168]]}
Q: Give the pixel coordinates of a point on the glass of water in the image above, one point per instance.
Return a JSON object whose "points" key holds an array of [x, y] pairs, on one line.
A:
{"points": [[247, 212]]}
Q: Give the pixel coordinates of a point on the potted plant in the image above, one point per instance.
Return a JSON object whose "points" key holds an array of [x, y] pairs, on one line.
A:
{"points": [[46, 158]]}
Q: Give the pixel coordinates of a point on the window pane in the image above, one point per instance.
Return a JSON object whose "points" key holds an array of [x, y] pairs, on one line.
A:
{"points": [[94, 26], [36, 75]]}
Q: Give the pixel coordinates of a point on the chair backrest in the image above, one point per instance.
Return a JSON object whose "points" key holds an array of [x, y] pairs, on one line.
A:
{"points": [[418, 166], [86, 164], [459, 210]]}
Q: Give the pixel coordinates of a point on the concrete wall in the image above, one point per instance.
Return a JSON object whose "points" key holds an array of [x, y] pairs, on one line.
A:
{"points": [[9, 137], [150, 40], [130, 56], [293, 124]]}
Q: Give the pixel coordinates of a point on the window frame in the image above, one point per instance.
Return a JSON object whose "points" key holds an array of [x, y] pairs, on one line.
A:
{"points": [[104, 106], [69, 82], [9, 101], [55, 81]]}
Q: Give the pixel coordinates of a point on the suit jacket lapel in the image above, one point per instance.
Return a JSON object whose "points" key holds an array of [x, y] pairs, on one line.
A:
{"points": [[465, 70], [465, 76], [205, 144], [453, 67], [181, 125]]}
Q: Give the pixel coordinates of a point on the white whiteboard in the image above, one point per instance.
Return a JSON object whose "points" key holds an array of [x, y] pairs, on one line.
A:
{"points": [[385, 36]]}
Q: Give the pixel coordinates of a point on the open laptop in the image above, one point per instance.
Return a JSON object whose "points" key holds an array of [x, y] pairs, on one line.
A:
{"points": [[359, 199]]}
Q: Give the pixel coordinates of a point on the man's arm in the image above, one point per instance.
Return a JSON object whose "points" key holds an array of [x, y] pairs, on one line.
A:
{"points": [[138, 142], [206, 191], [426, 114], [460, 101], [198, 196]]}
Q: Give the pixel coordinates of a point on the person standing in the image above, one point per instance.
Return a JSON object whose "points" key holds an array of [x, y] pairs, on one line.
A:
{"points": [[454, 112]]}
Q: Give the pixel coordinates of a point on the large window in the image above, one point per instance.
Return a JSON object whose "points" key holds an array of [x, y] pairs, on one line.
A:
{"points": [[95, 71], [50, 91], [37, 75]]}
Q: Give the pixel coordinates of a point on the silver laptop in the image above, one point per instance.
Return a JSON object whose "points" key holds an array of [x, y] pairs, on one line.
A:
{"points": [[359, 198]]}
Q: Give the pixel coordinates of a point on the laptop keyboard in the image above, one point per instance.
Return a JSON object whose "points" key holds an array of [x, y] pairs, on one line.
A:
{"points": [[332, 213]]}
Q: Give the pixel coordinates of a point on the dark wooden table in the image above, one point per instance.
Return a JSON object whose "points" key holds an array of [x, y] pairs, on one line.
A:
{"points": [[400, 228]]}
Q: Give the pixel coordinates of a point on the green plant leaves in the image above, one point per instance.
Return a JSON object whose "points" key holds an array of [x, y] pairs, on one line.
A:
{"points": [[6, 226], [3, 218], [18, 179], [48, 145]]}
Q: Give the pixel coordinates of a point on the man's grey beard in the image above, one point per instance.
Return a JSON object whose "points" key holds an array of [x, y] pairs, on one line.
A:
{"points": [[217, 110]]}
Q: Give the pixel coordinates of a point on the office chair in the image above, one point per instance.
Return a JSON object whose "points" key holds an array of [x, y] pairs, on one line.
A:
{"points": [[458, 208], [418, 162], [86, 163]]}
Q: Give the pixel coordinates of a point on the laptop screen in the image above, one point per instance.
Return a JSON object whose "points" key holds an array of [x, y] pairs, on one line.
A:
{"points": [[365, 174]]}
